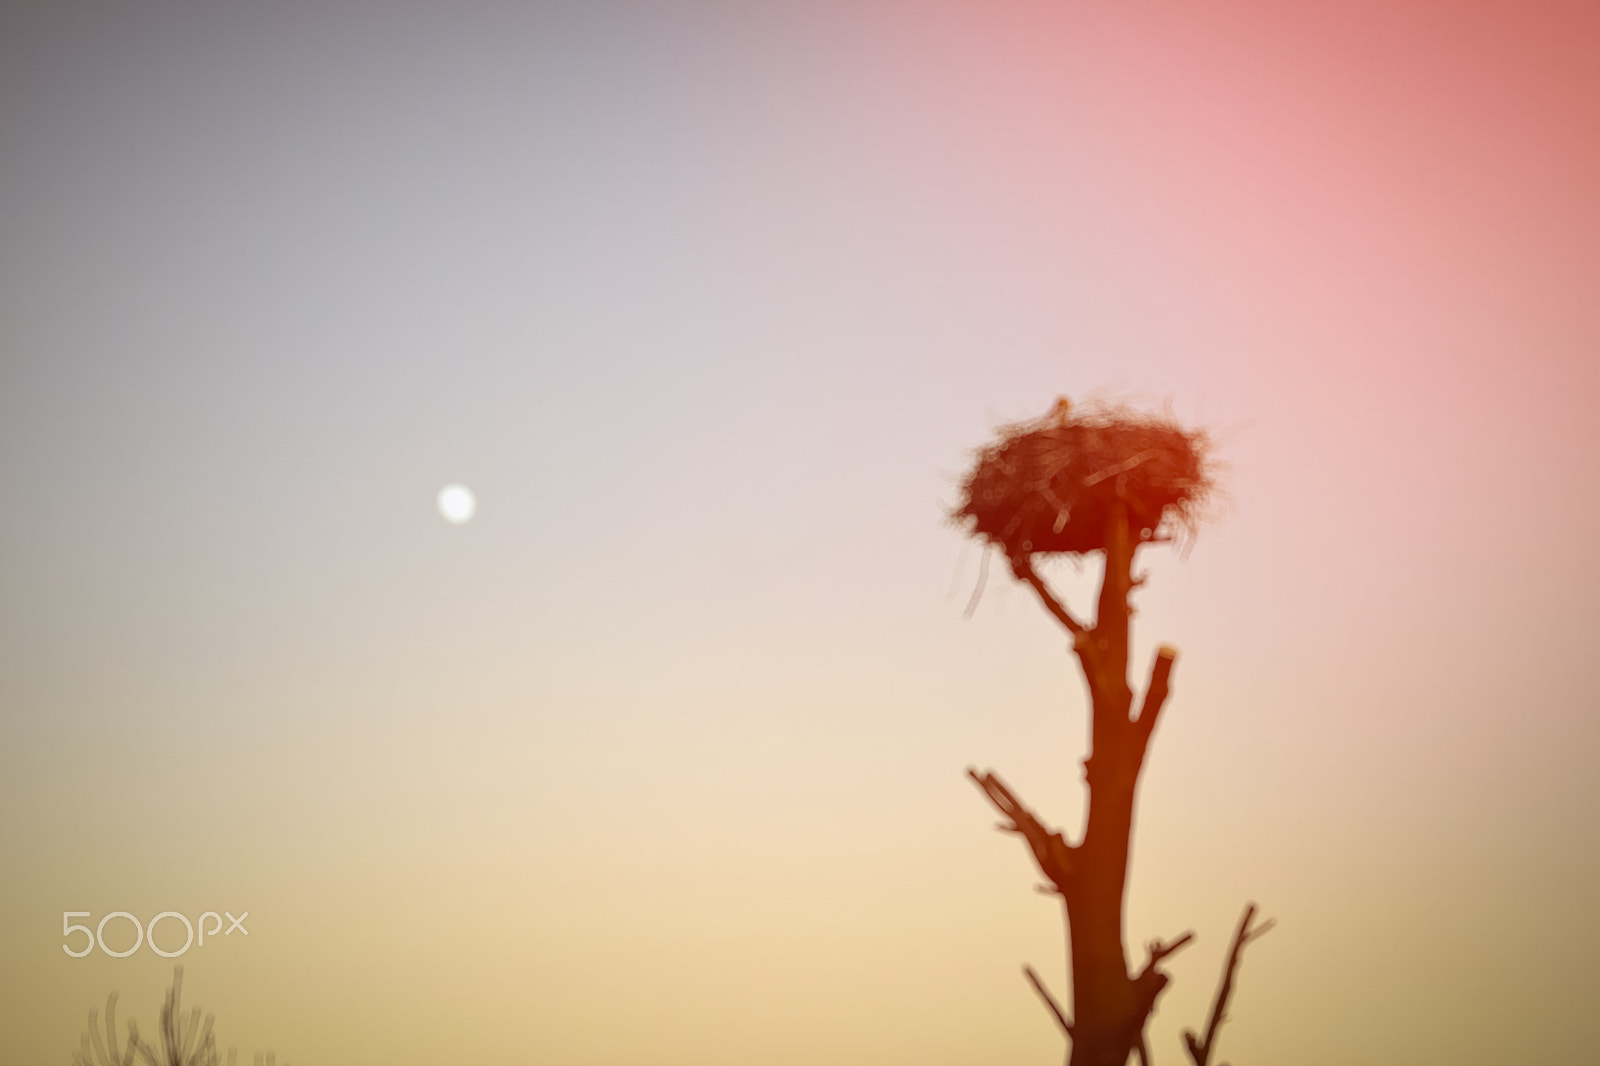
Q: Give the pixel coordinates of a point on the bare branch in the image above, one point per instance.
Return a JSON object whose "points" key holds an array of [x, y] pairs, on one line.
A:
{"points": [[1049, 1000], [1200, 1050], [1050, 851], [1155, 695], [1022, 566], [1159, 951]]}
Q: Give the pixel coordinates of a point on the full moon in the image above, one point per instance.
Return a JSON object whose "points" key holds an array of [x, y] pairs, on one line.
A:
{"points": [[456, 503]]}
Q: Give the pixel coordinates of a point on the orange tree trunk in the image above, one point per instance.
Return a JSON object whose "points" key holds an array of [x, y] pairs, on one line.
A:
{"points": [[1110, 1004]]}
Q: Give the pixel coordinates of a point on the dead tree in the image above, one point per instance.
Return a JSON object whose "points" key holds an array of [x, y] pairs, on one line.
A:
{"points": [[1106, 481]]}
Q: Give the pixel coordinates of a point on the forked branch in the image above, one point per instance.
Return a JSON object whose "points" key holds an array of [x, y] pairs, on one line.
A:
{"points": [[1148, 987], [1200, 1050], [1151, 981]]}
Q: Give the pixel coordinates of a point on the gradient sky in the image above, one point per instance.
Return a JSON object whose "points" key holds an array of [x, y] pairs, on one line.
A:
{"points": [[660, 757]]}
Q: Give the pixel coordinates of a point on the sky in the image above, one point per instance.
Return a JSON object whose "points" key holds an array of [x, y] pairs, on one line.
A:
{"points": [[662, 754]]}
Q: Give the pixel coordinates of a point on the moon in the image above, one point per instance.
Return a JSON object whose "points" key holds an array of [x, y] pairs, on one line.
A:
{"points": [[457, 503]]}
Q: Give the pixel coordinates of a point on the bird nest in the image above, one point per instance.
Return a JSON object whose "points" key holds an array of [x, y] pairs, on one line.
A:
{"points": [[1050, 485]]}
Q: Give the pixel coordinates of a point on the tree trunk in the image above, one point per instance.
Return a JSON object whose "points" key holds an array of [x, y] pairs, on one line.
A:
{"points": [[1110, 1005], [1106, 1010]]}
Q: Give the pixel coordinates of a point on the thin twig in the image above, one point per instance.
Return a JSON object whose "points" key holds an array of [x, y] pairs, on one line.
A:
{"points": [[1159, 951], [961, 569], [1049, 1000], [1120, 468], [977, 590], [1200, 1050]]}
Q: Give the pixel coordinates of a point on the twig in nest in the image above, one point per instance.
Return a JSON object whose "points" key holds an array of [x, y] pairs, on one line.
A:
{"points": [[1120, 468], [961, 568], [977, 590]]}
